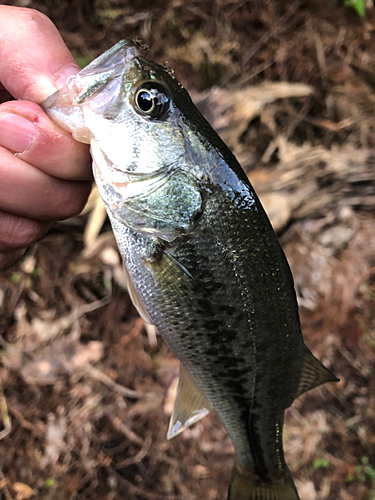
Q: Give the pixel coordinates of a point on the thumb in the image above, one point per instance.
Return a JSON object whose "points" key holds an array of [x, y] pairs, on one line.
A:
{"points": [[34, 58]]}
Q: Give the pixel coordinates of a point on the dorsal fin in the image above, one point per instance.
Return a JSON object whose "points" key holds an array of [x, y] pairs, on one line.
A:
{"points": [[190, 405], [314, 373]]}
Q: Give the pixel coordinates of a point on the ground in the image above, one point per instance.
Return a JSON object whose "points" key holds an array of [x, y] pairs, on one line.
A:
{"points": [[86, 388]]}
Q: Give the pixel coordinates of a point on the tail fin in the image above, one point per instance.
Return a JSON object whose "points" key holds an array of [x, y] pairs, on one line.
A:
{"points": [[247, 486]]}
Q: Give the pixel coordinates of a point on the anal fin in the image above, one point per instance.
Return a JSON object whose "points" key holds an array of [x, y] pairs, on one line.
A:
{"points": [[314, 373], [190, 405]]}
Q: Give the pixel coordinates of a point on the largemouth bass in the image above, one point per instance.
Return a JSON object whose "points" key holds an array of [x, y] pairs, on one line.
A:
{"points": [[202, 261]]}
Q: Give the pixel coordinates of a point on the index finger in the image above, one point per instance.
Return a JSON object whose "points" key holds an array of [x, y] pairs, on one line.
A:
{"points": [[35, 61]]}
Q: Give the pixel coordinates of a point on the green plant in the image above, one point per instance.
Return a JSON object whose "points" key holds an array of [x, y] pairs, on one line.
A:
{"points": [[16, 277], [363, 472], [358, 5], [83, 60], [321, 463]]}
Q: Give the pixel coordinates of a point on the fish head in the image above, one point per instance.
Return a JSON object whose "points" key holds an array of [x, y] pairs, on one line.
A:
{"points": [[118, 99], [133, 113]]}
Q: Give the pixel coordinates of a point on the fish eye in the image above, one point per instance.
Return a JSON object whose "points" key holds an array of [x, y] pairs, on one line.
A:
{"points": [[152, 99]]}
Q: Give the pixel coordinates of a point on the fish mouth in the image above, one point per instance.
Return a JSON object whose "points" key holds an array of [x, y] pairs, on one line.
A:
{"points": [[64, 106]]}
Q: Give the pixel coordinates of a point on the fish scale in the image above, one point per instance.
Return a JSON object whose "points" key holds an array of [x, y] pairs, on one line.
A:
{"points": [[206, 328], [201, 259]]}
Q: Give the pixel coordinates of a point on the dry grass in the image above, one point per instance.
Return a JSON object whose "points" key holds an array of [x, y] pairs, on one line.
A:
{"points": [[85, 386]]}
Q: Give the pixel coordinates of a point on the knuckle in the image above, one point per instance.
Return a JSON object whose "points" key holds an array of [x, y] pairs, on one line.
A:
{"points": [[19, 232], [37, 17], [74, 200]]}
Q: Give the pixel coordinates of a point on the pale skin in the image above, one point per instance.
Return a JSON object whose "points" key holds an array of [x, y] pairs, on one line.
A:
{"points": [[45, 175]]}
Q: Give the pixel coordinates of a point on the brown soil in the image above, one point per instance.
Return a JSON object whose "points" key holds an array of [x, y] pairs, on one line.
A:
{"points": [[86, 388]]}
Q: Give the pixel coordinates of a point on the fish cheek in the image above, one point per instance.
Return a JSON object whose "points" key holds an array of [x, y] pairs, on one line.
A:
{"points": [[165, 209]]}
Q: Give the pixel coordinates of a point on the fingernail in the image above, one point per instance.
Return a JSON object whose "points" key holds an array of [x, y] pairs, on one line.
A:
{"points": [[16, 132], [62, 75]]}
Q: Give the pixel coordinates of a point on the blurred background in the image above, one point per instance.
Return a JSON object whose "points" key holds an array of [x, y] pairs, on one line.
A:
{"points": [[86, 389]]}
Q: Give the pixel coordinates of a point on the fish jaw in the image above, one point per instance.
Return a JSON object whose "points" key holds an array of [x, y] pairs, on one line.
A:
{"points": [[61, 109], [101, 79]]}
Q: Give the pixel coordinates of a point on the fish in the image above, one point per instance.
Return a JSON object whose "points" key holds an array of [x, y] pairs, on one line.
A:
{"points": [[201, 259]]}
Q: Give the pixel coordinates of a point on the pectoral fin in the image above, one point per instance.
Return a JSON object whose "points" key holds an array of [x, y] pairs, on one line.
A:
{"points": [[190, 405], [314, 373]]}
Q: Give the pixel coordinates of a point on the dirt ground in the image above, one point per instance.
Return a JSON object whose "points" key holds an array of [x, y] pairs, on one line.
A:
{"points": [[85, 388]]}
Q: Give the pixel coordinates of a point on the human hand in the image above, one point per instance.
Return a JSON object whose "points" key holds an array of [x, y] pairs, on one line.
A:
{"points": [[44, 173]]}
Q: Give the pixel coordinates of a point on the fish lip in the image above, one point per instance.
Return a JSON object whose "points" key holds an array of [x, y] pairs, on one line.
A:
{"points": [[111, 64], [96, 75], [50, 101], [123, 51], [64, 105]]}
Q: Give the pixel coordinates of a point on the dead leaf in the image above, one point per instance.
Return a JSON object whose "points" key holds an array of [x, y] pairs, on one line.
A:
{"points": [[23, 491]]}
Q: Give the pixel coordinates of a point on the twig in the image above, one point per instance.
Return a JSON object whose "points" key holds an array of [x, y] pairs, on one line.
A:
{"points": [[145, 494], [92, 306], [134, 332], [279, 55], [4, 487], [120, 389], [24, 423], [321, 58], [271, 33], [4, 415], [151, 331], [297, 119], [138, 457], [121, 427]]}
